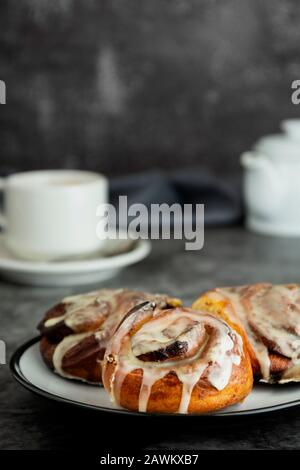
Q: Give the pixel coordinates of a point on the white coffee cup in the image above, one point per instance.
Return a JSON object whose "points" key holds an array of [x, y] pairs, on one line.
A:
{"points": [[51, 214]]}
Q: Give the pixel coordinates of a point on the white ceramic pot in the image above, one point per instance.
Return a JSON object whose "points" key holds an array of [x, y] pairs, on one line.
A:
{"points": [[272, 183]]}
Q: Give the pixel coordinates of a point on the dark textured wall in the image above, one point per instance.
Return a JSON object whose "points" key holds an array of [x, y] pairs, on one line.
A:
{"points": [[122, 85]]}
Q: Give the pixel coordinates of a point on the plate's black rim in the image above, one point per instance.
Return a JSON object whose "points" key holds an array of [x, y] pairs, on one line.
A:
{"points": [[19, 376]]}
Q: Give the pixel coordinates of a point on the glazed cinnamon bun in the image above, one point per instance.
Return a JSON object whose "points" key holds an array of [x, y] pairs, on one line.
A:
{"points": [[268, 318], [75, 332], [175, 360]]}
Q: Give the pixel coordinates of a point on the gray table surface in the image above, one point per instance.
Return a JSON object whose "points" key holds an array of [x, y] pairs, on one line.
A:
{"points": [[230, 256]]}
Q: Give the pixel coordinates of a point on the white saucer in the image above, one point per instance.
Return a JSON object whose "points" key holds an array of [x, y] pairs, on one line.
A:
{"points": [[115, 255], [29, 369]]}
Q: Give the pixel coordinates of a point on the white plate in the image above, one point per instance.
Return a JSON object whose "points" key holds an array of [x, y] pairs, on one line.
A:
{"points": [[29, 369], [115, 255]]}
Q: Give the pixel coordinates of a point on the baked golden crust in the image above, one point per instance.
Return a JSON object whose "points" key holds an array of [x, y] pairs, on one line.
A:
{"points": [[221, 306], [75, 343], [166, 393]]}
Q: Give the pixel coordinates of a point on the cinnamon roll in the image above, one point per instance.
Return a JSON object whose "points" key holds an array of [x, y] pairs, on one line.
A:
{"points": [[75, 332], [175, 360], [268, 318]]}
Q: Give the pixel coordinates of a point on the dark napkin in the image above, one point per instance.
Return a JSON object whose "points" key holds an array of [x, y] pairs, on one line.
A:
{"points": [[220, 194]]}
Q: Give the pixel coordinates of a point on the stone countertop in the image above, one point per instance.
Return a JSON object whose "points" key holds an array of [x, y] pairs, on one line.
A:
{"points": [[229, 256]]}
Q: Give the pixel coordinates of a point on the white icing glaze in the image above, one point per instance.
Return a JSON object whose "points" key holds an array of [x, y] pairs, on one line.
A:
{"points": [[79, 309], [106, 307], [270, 312], [261, 351], [65, 345], [150, 338], [215, 348], [87, 307], [53, 321]]}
